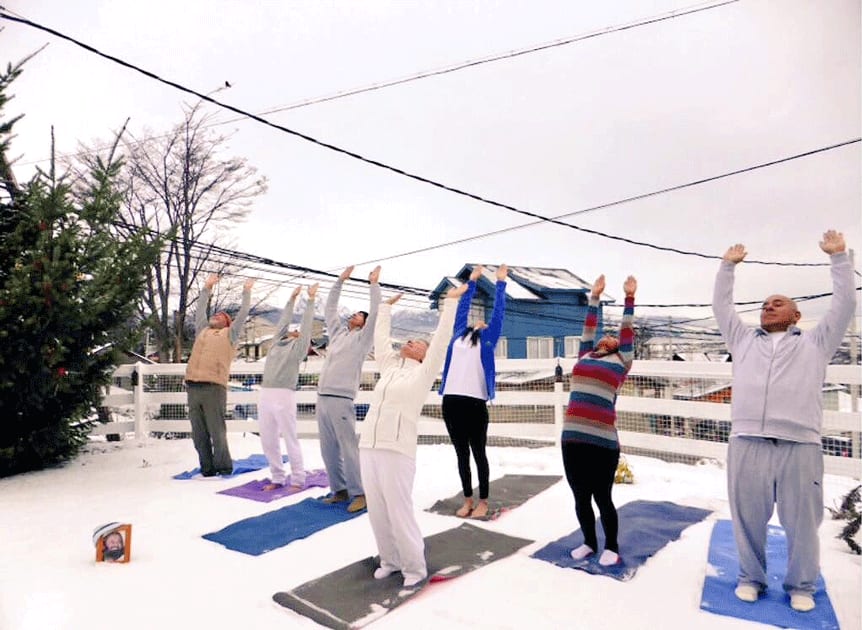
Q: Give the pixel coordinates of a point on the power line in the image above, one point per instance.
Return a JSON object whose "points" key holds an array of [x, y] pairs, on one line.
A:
{"points": [[471, 63], [408, 174], [618, 202], [418, 292]]}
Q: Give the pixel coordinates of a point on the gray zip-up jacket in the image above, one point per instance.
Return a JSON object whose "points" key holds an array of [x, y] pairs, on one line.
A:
{"points": [[778, 394], [347, 349], [281, 369]]}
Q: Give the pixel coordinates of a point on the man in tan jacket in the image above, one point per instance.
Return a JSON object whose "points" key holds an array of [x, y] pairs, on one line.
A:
{"points": [[207, 376]]}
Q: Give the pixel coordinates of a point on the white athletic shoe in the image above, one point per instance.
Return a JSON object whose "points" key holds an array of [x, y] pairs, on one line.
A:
{"points": [[802, 602], [413, 580], [582, 552], [383, 572], [747, 593]]}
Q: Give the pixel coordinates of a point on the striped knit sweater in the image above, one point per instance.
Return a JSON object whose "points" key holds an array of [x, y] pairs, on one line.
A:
{"points": [[590, 416]]}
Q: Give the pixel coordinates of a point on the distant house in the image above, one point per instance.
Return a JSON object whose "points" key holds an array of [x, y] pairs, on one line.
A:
{"points": [[545, 309]]}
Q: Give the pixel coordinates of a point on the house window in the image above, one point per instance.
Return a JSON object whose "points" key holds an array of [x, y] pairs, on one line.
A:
{"points": [[477, 312], [572, 346], [540, 347], [502, 349]]}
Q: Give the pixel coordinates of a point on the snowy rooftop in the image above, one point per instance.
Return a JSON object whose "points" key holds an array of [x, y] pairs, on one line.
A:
{"points": [[524, 281]]}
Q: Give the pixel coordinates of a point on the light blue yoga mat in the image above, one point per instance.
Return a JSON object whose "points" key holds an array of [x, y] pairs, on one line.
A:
{"points": [[257, 535], [645, 527], [240, 466], [773, 607]]}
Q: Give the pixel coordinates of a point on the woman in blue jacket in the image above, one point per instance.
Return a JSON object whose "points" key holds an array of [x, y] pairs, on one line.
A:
{"points": [[468, 383]]}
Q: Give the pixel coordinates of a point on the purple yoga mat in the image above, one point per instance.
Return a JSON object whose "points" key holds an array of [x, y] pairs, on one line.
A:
{"points": [[254, 489]]}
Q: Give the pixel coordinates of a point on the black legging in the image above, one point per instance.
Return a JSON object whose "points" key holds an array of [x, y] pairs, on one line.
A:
{"points": [[590, 472], [466, 421]]}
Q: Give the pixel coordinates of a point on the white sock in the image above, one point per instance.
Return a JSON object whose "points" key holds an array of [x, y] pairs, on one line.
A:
{"points": [[608, 558], [582, 552]]}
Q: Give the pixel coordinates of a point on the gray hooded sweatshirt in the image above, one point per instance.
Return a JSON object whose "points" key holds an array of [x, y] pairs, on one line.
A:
{"points": [[347, 348], [281, 369]]}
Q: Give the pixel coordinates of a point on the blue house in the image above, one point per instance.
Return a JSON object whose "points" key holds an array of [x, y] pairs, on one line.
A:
{"points": [[545, 309]]}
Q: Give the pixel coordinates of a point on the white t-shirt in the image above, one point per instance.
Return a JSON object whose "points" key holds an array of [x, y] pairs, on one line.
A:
{"points": [[466, 377], [776, 336]]}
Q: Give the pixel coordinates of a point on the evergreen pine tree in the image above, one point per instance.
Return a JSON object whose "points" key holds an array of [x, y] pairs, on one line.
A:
{"points": [[68, 291]]}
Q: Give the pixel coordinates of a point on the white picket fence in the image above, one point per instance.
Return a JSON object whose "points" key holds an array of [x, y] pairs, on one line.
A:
{"points": [[527, 406]]}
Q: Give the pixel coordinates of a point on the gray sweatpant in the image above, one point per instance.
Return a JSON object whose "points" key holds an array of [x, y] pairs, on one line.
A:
{"points": [[339, 444], [763, 472]]}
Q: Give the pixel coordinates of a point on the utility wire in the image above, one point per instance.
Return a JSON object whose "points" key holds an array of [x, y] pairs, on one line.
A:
{"points": [[466, 64], [400, 171], [618, 202], [420, 292]]}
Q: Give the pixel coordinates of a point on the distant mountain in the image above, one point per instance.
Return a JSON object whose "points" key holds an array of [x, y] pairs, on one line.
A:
{"points": [[406, 324]]}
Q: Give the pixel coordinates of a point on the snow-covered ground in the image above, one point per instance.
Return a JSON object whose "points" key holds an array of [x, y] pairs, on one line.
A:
{"points": [[50, 581]]}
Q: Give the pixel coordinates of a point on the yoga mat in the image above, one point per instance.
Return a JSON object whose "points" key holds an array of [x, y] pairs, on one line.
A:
{"points": [[254, 489], [240, 466], [645, 527], [504, 493], [259, 534], [773, 607], [351, 598]]}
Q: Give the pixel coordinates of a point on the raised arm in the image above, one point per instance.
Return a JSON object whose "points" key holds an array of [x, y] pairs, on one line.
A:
{"points": [[287, 315], [495, 326], [384, 353], [239, 322], [440, 341], [201, 317], [462, 313], [627, 331], [367, 332], [729, 323], [830, 330], [306, 326], [330, 311], [591, 322]]}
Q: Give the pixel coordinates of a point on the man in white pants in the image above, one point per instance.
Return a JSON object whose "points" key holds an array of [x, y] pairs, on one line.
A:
{"points": [[277, 403], [387, 445]]}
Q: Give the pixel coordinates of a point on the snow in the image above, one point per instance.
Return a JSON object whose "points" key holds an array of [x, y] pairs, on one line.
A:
{"points": [[176, 579]]}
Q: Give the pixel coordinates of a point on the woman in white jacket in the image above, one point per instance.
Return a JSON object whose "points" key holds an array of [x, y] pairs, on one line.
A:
{"points": [[387, 445]]}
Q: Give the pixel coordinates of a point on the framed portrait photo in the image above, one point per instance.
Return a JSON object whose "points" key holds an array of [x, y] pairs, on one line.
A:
{"points": [[113, 542]]}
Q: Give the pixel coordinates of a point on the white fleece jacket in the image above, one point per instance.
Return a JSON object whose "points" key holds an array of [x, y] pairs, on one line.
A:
{"points": [[393, 417]]}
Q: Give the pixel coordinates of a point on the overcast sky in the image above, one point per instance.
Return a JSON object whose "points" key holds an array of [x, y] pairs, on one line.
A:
{"points": [[551, 132]]}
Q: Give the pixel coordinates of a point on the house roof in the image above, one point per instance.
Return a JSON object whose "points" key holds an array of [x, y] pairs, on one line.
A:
{"points": [[524, 283]]}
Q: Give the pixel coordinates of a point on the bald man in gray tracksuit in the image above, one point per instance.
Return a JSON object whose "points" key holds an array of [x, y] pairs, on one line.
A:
{"points": [[774, 454]]}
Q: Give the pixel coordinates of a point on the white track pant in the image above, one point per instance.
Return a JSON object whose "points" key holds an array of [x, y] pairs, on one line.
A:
{"points": [[276, 410], [388, 480]]}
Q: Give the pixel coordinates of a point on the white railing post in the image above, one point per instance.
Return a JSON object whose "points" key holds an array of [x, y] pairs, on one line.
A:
{"points": [[559, 415], [138, 397]]}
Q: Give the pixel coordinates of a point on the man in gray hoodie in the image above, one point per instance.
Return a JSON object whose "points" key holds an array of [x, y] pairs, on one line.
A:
{"points": [[349, 344], [774, 454]]}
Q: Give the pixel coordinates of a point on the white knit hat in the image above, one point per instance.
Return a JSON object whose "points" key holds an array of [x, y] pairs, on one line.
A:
{"points": [[104, 530]]}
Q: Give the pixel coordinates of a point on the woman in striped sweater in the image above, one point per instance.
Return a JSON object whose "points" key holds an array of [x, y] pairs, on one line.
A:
{"points": [[591, 448]]}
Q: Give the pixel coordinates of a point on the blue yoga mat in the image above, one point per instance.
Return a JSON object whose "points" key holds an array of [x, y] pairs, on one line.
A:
{"points": [[645, 527], [240, 466], [259, 534], [773, 607]]}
